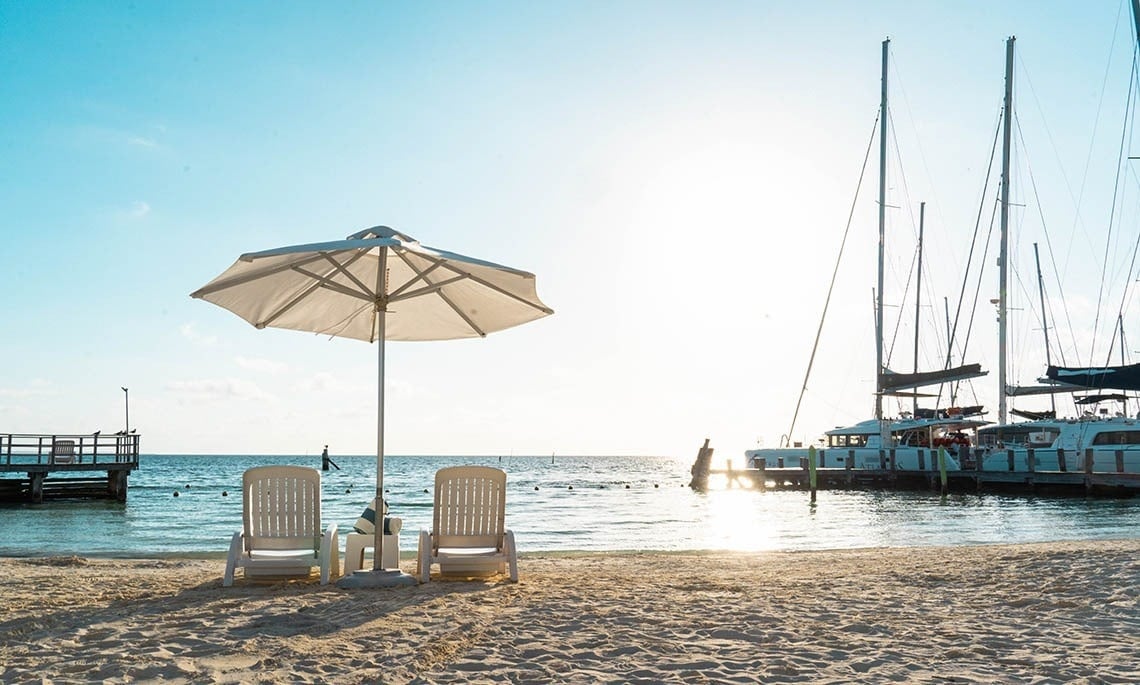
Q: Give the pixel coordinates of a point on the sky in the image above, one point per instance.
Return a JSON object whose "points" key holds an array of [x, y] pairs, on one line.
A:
{"points": [[678, 175]]}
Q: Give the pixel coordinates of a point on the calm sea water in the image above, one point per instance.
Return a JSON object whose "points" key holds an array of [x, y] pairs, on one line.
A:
{"points": [[554, 504]]}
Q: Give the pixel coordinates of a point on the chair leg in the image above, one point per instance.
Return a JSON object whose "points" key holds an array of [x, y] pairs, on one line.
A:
{"points": [[423, 558], [512, 554], [232, 559]]}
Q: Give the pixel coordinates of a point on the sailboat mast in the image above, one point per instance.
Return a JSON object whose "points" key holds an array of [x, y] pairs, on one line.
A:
{"points": [[1044, 322], [1136, 17], [918, 293], [882, 232], [1003, 258]]}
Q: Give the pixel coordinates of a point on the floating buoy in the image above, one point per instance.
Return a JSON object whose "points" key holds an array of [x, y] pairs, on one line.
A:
{"points": [[655, 485], [627, 486], [225, 494], [187, 486], [175, 493], [347, 490], [425, 491], [570, 487], [536, 487]]}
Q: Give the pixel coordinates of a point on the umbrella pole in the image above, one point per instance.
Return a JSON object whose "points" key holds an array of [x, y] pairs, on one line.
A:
{"points": [[379, 576], [377, 558]]}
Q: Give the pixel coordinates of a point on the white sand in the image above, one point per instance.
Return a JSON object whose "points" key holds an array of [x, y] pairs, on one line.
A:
{"points": [[1045, 613]]}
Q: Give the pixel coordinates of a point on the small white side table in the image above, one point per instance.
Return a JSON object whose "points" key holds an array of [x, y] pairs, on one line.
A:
{"points": [[356, 544]]}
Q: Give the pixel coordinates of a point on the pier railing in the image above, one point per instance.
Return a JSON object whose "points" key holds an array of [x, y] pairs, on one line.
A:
{"points": [[18, 449]]}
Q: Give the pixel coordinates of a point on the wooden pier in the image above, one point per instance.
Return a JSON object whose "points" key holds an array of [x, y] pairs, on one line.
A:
{"points": [[1117, 483], [34, 467]]}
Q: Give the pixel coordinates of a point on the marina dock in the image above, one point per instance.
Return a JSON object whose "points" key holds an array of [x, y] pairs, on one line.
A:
{"points": [[36, 467], [840, 474]]}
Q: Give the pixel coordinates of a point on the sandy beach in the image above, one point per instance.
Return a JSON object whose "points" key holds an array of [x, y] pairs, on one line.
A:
{"points": [[1039, 613]]}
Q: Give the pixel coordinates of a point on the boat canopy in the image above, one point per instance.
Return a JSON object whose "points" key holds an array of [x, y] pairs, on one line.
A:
{"points": [[890, 381], [1034, 415], [1115, 377], [1093, 399], [1053, 389]]}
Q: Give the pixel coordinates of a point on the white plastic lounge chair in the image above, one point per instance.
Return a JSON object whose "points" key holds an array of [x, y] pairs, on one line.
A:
{"points": [[468, 535], [281, 526], [63, 452]]}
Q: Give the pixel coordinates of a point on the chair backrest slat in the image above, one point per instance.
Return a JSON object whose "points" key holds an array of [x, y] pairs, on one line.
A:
{"points": [[281, 507], [470, 506]]}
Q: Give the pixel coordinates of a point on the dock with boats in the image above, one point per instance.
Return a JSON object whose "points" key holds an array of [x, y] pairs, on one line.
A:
{"points": [[1076, 475], [39, 467]]}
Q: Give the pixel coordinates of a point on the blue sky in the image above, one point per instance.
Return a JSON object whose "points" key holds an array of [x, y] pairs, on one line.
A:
{"points": [[678, 176]]}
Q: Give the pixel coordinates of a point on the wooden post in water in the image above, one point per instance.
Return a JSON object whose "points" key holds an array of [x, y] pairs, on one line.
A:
{"points": [[700, 468], [1088, 469], [942, 468], [811, 471]]}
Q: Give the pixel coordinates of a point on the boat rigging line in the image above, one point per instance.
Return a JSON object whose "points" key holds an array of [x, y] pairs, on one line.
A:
{"points": [[831, 286]]}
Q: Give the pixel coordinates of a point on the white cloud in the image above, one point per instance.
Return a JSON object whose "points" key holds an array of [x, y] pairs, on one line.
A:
{"points": [[139, 209], [213, 389], [263, 365], [188, 332], [37, 387], [142, 142]]}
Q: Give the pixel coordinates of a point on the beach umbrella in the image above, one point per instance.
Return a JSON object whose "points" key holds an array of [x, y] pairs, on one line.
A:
{"points": [[378, 284]]}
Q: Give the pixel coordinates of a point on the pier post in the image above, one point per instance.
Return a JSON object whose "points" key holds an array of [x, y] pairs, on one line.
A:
{"points": [[117, 485], [37, 486], [700, 468], [1088, 469], [1061, 460], [811, 471], [942, 468], [761, 477], [1120, 461]]}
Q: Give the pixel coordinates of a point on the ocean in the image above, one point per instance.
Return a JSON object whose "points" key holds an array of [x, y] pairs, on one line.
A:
{"points": [[554, 504]]}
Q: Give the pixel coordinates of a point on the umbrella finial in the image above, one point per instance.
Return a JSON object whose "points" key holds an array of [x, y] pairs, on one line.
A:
{"points": [[382, 232]]}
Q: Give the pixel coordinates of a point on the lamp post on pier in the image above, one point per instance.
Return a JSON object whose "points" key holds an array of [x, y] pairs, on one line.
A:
{"points": [[127, 409]]}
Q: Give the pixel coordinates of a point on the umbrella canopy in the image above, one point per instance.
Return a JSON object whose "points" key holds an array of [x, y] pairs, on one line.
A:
{"points": [[376, 285]]}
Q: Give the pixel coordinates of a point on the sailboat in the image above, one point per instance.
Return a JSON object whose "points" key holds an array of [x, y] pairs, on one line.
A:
{"points": [[1096, 441], [911, 441]]}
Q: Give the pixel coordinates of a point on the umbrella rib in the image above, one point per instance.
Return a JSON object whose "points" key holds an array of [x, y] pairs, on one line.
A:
{"points": [[324, 282], [446, 264], [437, 288], [420, 275], [348, 274], [426, 290], [443, 296], [501, 291], [254, 275]]}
